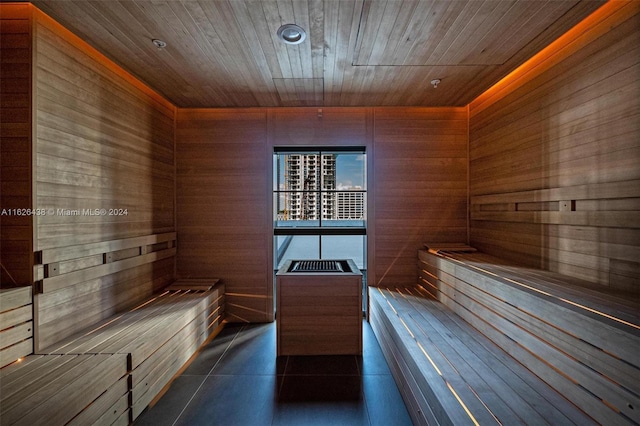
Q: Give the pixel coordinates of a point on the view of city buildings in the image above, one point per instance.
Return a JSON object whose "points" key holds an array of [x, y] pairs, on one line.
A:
{"points": [[310, 191]]}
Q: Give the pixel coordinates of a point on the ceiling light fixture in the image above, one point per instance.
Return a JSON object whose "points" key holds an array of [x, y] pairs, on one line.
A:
{"points": [[291, 34], [435, 83], [159, 43]]}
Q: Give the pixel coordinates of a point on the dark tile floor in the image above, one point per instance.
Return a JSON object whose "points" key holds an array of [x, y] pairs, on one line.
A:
{"points": [[238, 380]]}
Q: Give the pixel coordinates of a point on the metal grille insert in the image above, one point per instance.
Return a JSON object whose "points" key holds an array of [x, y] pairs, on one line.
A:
{"points": [[317, 266]]}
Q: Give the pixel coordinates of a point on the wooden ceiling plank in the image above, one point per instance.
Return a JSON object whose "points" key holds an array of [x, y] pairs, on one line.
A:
{"points": [[273, 20], [211, 71], [330, 40], [372, 18], [216, 68], [464, 16], [301, 18], [339, 26], [412, 17], [418, 28], [479, 49], [317, 37], [220, 14], [529, 16], [349, 32], [263, 78], [476, 26], [285, 10], [185, 47], [266, 34], [224, 53], [441, 18], [383, 37]]}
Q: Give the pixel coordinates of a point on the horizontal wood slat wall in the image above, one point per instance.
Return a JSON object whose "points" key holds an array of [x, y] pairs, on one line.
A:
{"points": [[104, 171], [555, 155], [420, 187], [15, 145], [417, 174], [222, 206]]}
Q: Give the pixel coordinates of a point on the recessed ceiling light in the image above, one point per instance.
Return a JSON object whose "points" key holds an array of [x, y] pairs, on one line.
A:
{"points": [[291, 34], [159, 43]]}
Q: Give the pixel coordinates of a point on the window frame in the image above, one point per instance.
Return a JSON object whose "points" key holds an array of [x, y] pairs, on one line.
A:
{"points": [[320, 230]]}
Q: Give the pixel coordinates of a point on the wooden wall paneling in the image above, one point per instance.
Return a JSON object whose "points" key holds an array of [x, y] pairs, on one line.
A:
{"points": [[417, 174], [554, 156], [420, 186], [222, 206], [16, 262], [104, 169], [319, 126]]}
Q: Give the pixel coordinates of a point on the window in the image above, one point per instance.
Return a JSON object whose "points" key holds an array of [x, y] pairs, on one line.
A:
{"points": [[320, 204]]}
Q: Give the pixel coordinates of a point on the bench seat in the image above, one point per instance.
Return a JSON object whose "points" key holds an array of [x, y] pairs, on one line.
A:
{"points": [[123, 363], [582, 340], [53, 389], [448, 373], [16, 324]]}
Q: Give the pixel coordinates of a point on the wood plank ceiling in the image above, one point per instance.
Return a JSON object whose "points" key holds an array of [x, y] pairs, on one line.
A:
{"points": [[225, 53]]}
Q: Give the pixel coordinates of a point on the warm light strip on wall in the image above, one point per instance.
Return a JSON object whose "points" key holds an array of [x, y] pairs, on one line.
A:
{"points": [[555, 49], [578, 305]]}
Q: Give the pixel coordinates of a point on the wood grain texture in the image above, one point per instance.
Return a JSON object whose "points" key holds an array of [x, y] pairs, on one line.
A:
{"points": [[102, 141], [72, 381], [319, 314], [420, 186], [555, 155], [222, 206], [16, 324], [442, 363], [357, 53], [416, 163], [16, 263], [579, 339]]}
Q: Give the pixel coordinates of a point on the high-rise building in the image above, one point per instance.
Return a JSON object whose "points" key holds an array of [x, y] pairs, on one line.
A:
{"points": [[308, 176], [350, 205]]}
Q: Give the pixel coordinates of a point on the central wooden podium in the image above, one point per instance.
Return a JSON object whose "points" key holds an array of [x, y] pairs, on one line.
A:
{"points": [[319, 308]]}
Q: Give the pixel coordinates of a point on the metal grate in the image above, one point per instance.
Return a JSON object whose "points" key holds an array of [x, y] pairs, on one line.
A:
{"points": [[317, 266]]}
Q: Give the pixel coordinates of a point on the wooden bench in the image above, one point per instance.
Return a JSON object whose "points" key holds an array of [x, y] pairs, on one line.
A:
{"points": [[16, 324], [450, 374], [580, 340], [111, 372]]}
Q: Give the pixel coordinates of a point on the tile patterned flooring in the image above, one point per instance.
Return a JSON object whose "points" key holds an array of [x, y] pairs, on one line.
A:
{"points": [[237, 380]]}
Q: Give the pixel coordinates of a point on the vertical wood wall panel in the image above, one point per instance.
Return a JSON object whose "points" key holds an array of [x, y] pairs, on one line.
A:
{"points": [[16, 264], [420, 186], [222, 206], [555, 155], [103, 141]]}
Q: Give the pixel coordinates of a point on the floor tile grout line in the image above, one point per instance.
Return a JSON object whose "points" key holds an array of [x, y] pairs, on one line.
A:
{"points": [[207, 375], [284, 374]]}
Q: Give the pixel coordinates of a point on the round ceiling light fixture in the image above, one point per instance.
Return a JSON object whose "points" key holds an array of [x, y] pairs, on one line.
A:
{"points": [[291, 34]]}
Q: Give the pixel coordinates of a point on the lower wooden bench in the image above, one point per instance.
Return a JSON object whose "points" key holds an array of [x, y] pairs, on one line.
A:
{"points": [[450, 374], [582, 340], [16, 324], [142, 350], [65, 389]]}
